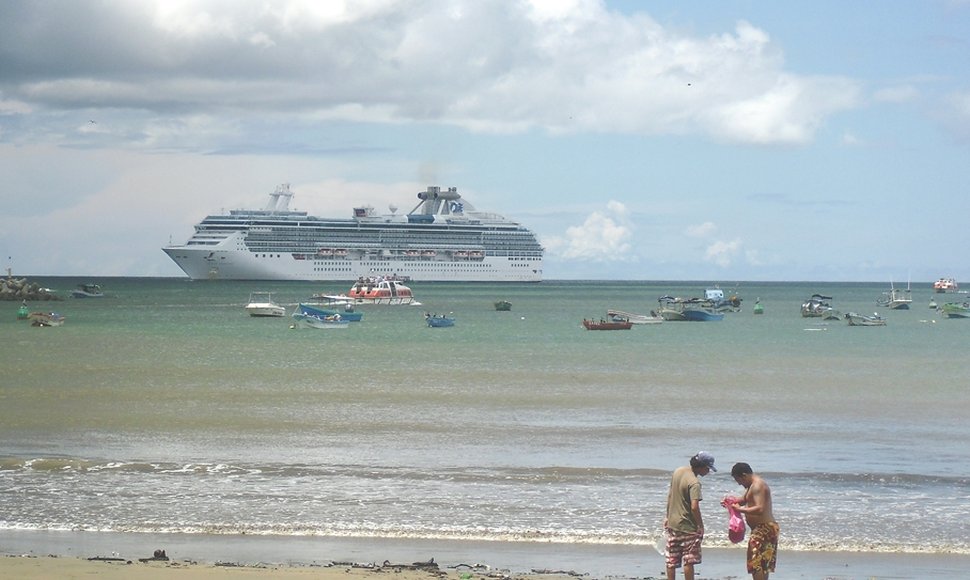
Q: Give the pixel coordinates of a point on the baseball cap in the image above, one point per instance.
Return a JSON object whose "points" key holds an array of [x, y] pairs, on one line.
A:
{"points": [[706, 459]]}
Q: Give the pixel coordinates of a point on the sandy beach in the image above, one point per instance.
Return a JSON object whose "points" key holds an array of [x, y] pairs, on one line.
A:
{"points": [[109, 569], [803, 565], [36, 555]]}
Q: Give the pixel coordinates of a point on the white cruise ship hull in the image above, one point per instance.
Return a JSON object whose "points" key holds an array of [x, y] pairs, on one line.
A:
{"points": [[215, 264], [278, 244]]}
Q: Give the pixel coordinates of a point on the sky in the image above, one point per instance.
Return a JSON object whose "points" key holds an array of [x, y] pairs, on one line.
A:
{"points": [[716, 141]]}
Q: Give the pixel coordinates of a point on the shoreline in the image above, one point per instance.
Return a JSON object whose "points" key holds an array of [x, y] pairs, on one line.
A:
{"points": [[38, 554]]}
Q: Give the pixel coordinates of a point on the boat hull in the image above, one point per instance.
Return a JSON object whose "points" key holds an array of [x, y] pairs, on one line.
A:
{"points": [[265, 311], [859, 320], [701, 315], [955, 310], [244, 265], [607, 325], [43, 319], [895, 299], [671, 314], [620, 316], [349, 316], [323, 323]]}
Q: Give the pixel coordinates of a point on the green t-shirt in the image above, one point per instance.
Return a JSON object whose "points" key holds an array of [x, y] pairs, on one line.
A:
{"points": [[684, 488]]}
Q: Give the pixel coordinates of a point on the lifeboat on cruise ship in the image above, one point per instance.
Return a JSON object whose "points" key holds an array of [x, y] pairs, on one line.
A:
{"points": [[340, 252], [380, 290], [325, 252], [429, 253]]}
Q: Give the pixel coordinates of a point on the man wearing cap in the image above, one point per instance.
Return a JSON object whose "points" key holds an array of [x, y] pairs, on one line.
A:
{"points": [[683, 524]]}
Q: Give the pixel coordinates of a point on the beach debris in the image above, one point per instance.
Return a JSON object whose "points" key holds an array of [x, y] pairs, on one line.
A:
{"points": [[108, 559], [427, 566], [157, 556], [476, 567], [558, 572]]}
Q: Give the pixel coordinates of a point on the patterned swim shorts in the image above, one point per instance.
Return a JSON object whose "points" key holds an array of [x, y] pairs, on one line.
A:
{"points": [[683, 547], [763, 548]]}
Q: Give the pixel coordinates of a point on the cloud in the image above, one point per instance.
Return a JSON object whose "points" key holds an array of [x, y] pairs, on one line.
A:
{"points": [[851, 140], [787, 112], [720, 252], [723, 253], [897, 94], [704, 230], [483, 66], [955, 114], [603, 237]]}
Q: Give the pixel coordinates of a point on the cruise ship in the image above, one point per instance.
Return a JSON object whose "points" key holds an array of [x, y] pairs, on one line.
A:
{"points": [[444, 238]]}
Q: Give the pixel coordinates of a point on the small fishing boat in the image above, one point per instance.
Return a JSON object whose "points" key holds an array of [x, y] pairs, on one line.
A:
{"points": [[344, 309], [262, 304], [721, 303], [956, 309], [862, 320], [671, 309], [818, 307], [46, 319], [503, 306], [328, 322], [688, 309], [621, 316], [607, 325], [895, 298], [87, 291], [439, 320]]}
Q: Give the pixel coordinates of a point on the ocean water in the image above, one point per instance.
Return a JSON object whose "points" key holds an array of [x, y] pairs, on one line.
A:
{"points": [[163, 407]]}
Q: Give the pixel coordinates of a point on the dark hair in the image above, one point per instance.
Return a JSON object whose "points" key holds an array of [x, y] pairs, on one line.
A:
{"points": [[740, 469]]}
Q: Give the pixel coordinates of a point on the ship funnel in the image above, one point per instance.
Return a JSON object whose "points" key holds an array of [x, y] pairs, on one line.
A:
{"points": [[279, 200]]}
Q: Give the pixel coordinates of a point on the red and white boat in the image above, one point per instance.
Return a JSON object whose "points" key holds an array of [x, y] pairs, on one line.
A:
{"points": [[945, 285], [380, 290]]}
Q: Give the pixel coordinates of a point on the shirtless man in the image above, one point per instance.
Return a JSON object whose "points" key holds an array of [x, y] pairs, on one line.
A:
{"points": [[755, 504]]}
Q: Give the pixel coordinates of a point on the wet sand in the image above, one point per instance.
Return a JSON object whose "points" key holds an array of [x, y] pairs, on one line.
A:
{"points": [[43, 555]]}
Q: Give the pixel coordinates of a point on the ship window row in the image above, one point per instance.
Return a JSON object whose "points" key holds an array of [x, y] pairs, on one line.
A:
{"points": [[395, 237], [399, 238], [312, 248], [331, 269]]}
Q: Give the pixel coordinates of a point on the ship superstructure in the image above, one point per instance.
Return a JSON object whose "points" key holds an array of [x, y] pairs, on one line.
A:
{"points": [[444, 238]]}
